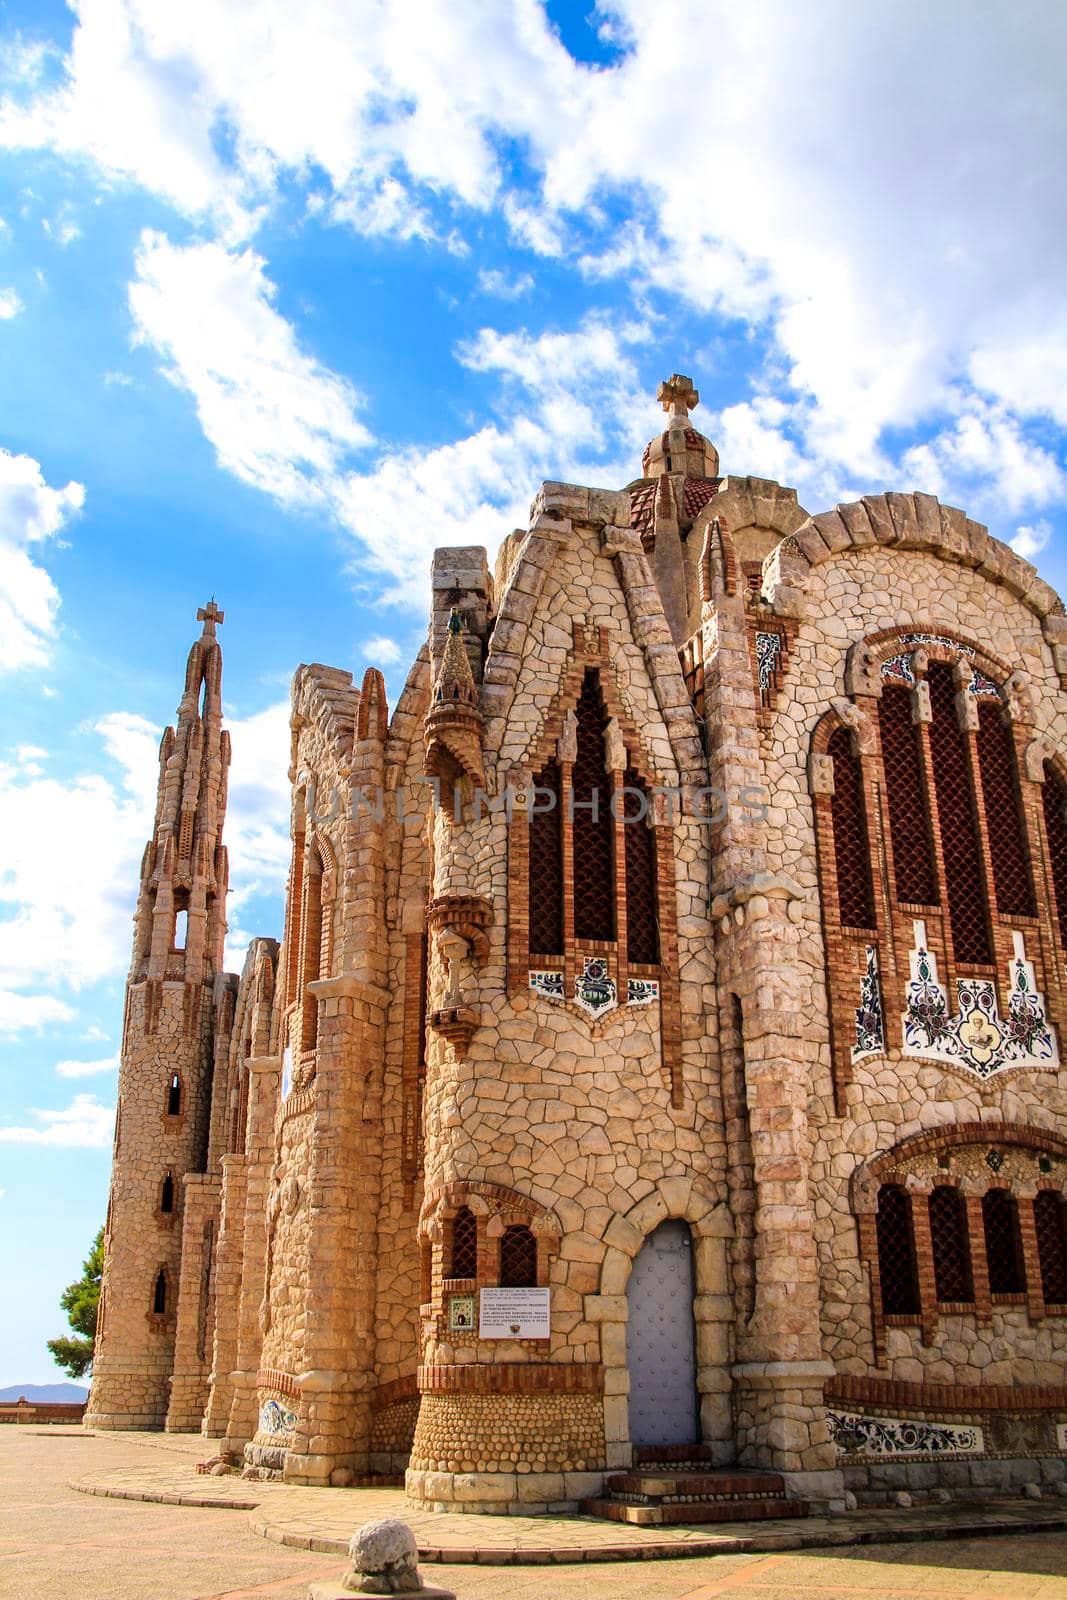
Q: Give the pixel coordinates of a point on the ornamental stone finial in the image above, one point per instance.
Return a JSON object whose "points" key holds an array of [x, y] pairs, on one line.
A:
{"points": [[677, 396], [209, 615]]}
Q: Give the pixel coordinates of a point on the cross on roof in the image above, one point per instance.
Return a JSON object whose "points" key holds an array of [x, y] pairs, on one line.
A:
{"points": [[677, 396], [209, 615]]}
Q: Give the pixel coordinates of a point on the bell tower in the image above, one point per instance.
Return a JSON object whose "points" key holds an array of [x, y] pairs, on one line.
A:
{"points": [[164, 1095]]}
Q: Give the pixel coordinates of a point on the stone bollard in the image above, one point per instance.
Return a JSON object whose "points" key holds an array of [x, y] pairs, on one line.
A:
{"points": [[383, 1556]]}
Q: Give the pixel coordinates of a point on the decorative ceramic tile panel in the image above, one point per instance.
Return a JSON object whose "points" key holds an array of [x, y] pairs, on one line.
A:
{"points": [[870, 1024], [768, 657], [857, 1435], [594, 989], [975, 1036], [276, 1418]]}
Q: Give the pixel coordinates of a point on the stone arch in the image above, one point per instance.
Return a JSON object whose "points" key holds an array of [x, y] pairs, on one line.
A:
{"points": [[686, 1200], [911, 522], [869, 1175]]}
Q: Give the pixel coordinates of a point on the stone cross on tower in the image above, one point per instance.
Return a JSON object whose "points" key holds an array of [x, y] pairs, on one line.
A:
{"points": [[210, 614], [677, 397]]}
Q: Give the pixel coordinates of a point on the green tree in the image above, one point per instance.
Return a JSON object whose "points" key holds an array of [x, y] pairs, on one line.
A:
{"points": [[80, 1301]]}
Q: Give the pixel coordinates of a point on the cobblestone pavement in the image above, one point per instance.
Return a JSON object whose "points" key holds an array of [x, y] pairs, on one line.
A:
{"points": [[66, 1545]]}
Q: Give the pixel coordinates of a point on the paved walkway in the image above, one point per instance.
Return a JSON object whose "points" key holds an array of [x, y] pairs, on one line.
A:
{"points": [[75, 1546], [324, 1520]]}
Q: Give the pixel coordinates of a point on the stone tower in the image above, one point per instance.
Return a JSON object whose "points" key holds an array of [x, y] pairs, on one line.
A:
{"points": [[165, 1076]]}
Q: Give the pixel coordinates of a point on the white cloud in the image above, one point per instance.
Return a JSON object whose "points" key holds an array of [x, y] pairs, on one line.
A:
{"points": [[277, 418], [118, 380], [838, 190], [1031, 539], [30, 513], [504, 285], [381, 650], [986, 450], [86, 1069], [10, 304], [19, 1012], [83, 1125], [257, 819]]}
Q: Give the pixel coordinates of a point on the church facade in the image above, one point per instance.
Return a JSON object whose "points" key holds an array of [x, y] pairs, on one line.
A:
{"points": [[663, 1048]]}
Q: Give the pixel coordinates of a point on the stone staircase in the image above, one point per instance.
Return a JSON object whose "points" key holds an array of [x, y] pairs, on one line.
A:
{"points": [[677, 1483]]}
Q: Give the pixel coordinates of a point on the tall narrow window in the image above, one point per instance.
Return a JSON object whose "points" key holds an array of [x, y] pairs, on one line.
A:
{"points": [[312, 950], [181, 929], [1054, 804], [159, 1294], [518, 1258], [642, 929], [948, 1236], [1051, 1246], [1003, 811], [464, 1262], [166, 1195], [593, 827], [546, 865], [1003, 1245], [852, 856], [909, 823], [174, 1096], [896, 1253], [971, 938]]}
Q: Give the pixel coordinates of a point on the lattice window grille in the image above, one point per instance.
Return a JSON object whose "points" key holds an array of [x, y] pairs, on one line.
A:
{"points": [[896, 1253], [951, 1247], [852, 856], [592, 836], [909, 826], [1050, 1224], [639, 843], [1003, 810], [1003, 1243], [1054, 805], [464, 1254], [964, 872], [518, 1258], [546, 866]]}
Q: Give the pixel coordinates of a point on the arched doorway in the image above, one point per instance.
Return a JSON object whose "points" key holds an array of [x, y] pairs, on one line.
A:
{"points": [[661, 1339]]}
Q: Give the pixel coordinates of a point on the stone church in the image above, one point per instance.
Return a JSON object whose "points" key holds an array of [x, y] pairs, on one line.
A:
{"points": [[660, 1068]]}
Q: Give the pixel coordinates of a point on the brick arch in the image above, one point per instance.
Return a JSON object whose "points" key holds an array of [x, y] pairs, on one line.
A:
{"points": [[492, 1199], [932, 1141]]}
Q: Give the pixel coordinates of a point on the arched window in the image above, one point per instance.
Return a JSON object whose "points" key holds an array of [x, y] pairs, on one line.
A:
{"points": [[642, 926], [1051, 1246], [852, 856], [174, 1095], [159, 1294], [948, 1237], [1054, 805], [1003, 811], [166, 1195], [896, 1253], [518, 1258], [546, 865], [464, 1258], [909, 820], [964, 875], [1003, 1245], [593, 826]]}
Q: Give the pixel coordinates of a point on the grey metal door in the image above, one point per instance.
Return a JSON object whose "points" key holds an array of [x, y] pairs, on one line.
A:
{"points": [[660, 1339]]}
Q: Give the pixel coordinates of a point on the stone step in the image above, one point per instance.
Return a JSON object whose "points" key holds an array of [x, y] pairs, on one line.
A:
{"points": [[671, 1454], [650, 1516], [699, 1485]]}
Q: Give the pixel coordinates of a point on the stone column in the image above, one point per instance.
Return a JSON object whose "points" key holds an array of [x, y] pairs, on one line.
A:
{"points": [[228, 1261], [331, 1441], [779, 1368], [264, 1082], [192, 1337]]}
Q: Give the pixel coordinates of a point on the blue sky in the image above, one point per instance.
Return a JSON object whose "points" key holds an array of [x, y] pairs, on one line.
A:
{"points": [[289, 296]]}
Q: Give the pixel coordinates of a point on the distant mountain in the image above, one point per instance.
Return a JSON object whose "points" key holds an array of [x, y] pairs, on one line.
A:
{"points": [[67, 1392]]}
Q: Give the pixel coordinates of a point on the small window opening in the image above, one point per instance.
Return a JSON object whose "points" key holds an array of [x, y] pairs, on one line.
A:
{"points": [[181, 929], [518, 1258], [159, 1294], [174, 1096], [464, 1263], [166, 1195]]}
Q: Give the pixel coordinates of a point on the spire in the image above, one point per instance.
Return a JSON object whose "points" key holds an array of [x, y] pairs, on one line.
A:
{"points": [[455, 681], [181, 913], [681, 450]]}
